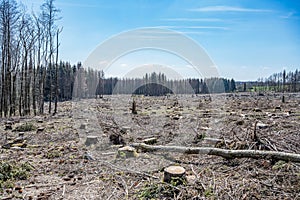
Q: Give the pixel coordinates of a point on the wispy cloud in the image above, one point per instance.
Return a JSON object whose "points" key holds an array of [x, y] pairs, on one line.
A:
{"points": [[166, 27], [205, 27], [194, 33], [193, 27], [193, 19], [266, 68], [81, 5], [288, 15], [227, 9]]}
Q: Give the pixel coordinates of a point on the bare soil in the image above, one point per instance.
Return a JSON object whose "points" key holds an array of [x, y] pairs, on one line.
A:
{"points": [[63, 167]]}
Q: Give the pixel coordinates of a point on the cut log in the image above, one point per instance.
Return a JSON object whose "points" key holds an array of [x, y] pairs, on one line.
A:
{"points": [[150, 141], [175, 173], [127, 152], [222, 152]]}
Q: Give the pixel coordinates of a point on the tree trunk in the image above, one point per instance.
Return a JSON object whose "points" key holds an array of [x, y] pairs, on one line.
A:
{"points": [[56, 74]]}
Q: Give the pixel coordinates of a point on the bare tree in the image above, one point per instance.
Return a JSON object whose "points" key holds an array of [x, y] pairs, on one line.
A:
{"points": [[27, 37], [49, 17], [9, 15], [56, 70]]}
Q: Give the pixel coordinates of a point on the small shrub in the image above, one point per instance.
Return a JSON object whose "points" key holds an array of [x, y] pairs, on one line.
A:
{"points": [[9, 172], [159, 191], [208, 193], [25, 127], [53, 154]]}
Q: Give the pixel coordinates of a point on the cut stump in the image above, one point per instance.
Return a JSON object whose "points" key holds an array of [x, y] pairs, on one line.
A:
{"points": [[127, 152], [90, 140], [8, 125], [133, 109], [82, 126], [174, 172]]}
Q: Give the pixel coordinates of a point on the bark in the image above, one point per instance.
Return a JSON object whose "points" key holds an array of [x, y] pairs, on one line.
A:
{"points": [[225, 153]]}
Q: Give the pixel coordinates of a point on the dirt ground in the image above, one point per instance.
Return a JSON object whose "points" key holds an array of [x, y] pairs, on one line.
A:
{"points": [[55, 162]]}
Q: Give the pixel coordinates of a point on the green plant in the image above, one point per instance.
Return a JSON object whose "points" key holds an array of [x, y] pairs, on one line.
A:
{"points": [[25, 127], [53, 154], [279, 165], [10, 171], [177, 181], [159, 190], [209, 192]]}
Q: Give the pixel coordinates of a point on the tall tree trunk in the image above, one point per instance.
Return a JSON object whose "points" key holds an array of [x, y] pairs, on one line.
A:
{"points": [[34, 91], [56, 73]]}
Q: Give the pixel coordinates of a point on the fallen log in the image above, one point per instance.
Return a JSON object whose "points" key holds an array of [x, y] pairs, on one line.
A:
{"points": [[225, 153]]}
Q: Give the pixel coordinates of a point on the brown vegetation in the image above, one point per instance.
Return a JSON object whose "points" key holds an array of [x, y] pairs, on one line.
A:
{"points": [[63, 167]]}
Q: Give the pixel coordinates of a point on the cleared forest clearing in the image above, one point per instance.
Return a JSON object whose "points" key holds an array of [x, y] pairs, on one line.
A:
{"points": [[52, 156]]}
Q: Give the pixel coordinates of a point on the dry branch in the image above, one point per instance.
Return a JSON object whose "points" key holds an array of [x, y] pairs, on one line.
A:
{"points": [[222, 152]]}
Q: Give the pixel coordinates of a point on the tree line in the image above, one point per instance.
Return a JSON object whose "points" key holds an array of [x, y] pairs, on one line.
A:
{"points": [[280, 82], [89, 83]]}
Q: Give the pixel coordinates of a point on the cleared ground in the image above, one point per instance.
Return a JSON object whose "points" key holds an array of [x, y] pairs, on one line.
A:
{"points": [[58, 165]]}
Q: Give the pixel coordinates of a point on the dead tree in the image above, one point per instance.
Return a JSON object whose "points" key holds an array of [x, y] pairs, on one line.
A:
{"points": [[8, 19], [225, 153], [49, 17], [56, 71]]}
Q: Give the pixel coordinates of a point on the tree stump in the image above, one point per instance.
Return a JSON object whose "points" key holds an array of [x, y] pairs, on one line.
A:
{"points": [[133, 109], [175, 173], [82, 126], [8, 125], [116, 139], [40, 129], [283, 99], [127, 152], [90, 140], [125, 129]]}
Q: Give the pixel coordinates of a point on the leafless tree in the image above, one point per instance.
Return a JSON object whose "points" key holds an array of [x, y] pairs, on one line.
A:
{"points": [[9, 15], [49, 17]]}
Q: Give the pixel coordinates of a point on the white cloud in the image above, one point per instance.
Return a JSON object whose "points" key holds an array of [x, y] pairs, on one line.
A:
{"points": [[193, 19], [191, 27], [103, 62], [266, 68], [227, 9], [81, 5], [165, 27], [194, 32], [124, 65], [206, 27]]}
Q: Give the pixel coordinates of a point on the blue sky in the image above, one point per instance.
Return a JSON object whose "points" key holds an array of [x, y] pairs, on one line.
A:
{"points": [[245, 39]]}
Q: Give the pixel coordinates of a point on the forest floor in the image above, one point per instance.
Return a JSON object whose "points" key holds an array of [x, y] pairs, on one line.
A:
{"points": [[46, 157]]}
